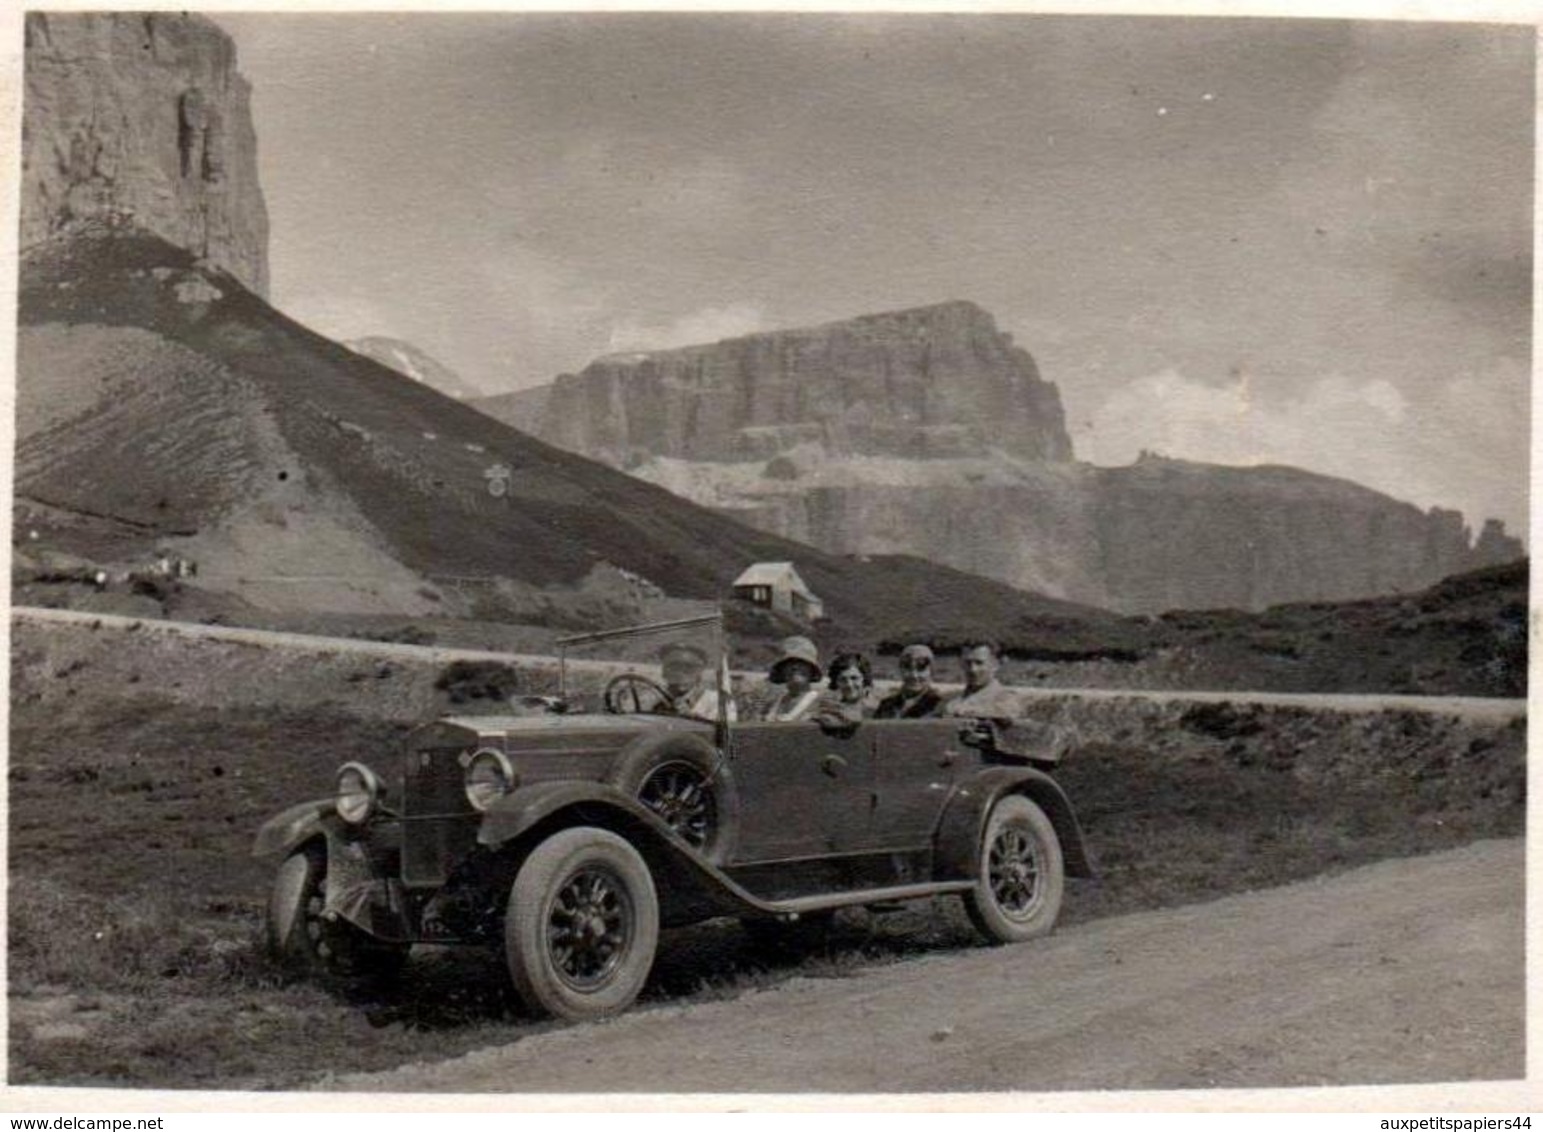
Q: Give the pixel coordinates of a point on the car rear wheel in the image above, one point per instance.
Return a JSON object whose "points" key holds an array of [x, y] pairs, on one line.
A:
{"points": [[582, 925], [301, 937], [681, 793], [1021, 878], [688, 787]]}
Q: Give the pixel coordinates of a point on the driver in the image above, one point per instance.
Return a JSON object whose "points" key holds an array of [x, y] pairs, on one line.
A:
{"points": [[685, 669]]}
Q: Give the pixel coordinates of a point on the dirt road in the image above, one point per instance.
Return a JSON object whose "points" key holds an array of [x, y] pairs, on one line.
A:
{"points": [[1400, 972]]}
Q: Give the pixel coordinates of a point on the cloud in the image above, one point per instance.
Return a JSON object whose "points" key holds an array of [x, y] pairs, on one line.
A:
{"points": [[1430, 186], [710, 324], [629, 180], [1231, 424], [1464, 446]]}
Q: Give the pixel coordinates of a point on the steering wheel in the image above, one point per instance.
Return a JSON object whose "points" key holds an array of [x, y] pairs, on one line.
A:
{"points": [[630, 684]]}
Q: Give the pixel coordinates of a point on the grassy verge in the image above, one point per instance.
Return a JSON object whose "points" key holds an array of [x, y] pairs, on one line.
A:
{"points": [[135, 906]]}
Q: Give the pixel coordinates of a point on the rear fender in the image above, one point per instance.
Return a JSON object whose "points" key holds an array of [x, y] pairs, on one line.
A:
{"points": [[957, 842], [689, 887], [282, 834], [653, 747]]}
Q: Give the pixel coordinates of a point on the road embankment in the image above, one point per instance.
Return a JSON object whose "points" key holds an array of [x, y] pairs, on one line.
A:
{"points": [[57, 654]]}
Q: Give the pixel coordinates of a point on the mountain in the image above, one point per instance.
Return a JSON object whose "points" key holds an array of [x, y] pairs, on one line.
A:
{"points": [[163, 408], [166, 412], [142, 118], [939, 380], [926, 432], [412, 362]]}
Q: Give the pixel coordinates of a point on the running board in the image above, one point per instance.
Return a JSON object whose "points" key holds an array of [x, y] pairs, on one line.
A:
{"points": [[799, 905]]}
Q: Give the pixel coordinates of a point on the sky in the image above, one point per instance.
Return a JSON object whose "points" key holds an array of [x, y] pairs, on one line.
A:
{"points": [[1243, 241]]}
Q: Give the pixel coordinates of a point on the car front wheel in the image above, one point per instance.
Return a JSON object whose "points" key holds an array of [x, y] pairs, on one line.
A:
{"points": [[1021, 877], [302, 938], [582, 925]]}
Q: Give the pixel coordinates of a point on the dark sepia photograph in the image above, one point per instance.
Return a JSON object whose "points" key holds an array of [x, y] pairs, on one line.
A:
{"points": [[822, 553]]}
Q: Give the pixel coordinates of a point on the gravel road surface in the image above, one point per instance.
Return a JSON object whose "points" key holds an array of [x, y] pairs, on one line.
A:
{"points": [[1403, 971]]}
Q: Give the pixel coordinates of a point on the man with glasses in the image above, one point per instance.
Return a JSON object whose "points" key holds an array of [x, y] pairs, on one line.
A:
{"points": [[916, 698]]}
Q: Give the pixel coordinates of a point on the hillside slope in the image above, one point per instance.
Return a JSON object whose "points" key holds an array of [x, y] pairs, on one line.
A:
{"points": [[170, 403]]}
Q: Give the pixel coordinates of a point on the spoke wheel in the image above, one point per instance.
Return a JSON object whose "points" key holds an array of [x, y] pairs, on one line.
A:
{"points": [[687, 785], [682, 795], [589, 928], [582, 925], [1021, 875], [1014, 867]]}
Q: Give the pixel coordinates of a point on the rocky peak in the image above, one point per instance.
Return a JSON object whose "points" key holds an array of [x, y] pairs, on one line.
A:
{"points": [[142, 119], [928, 382]]}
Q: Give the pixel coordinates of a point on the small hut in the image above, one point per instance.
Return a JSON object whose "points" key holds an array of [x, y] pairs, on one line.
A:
{"points": [[776, 585]]}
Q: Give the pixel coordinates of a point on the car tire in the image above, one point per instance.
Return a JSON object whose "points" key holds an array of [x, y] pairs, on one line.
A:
{"points": [[582, 925], [301, 939], [688, 787], [1021, 876]]}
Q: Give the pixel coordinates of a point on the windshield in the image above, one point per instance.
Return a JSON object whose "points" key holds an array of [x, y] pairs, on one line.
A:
{"points": [[667, 667]]}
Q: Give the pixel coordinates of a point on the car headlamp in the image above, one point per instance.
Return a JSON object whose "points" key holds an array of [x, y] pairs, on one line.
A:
{"points": [[358, 793], [489, 776]]}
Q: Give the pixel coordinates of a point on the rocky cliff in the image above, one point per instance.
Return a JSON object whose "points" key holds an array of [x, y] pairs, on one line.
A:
{"points": [[1157, 535], [935, 381], [142, 118], [927, 432], [1179, 535]]}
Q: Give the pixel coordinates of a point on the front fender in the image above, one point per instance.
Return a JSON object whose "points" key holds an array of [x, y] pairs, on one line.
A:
{"points": [[690, 887], [522, 810], [287, 831], [957, 841]]}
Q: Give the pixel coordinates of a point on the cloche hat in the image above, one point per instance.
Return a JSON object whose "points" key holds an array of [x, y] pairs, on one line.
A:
{"points": [[795, 650]]}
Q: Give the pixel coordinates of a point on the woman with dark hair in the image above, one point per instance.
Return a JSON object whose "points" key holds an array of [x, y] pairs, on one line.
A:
{"points": [[851, 682]]}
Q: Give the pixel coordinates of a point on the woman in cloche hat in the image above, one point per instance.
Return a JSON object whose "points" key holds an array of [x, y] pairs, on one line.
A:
{"points": [[796, 670]]}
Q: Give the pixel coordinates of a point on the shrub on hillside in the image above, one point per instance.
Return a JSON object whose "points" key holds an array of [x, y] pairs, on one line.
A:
{"points": [[464, 681]]}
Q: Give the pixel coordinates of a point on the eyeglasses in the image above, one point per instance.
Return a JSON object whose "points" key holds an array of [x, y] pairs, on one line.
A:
{"points": [[915, 665]]}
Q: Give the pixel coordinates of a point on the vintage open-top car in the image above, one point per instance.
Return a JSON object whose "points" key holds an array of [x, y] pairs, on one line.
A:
{"points": [[571, 839]]}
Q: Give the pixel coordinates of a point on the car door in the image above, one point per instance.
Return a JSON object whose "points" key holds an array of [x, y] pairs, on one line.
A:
{"points": [[915, 764], [803, 789]]}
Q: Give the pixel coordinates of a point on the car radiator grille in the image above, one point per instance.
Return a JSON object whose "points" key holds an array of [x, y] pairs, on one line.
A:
{"points": [[439, 826]]}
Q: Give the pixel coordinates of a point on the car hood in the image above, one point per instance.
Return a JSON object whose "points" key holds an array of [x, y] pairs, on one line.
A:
{"points": [[456, 729]]}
